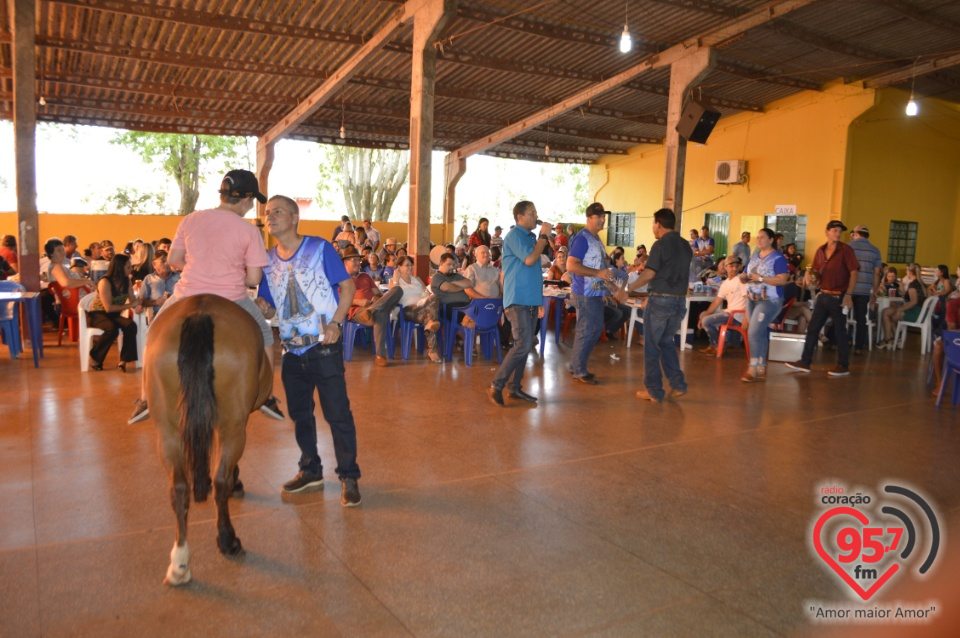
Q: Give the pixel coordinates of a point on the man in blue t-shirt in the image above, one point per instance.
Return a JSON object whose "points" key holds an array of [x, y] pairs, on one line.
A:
{"points": [[587, 264], [300, 286], [522, 298]]}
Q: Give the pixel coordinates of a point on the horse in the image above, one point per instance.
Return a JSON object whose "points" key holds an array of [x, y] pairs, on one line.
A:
{"points": [[205, 371]]}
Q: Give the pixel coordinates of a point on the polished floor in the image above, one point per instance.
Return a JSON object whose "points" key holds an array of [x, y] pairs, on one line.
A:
{"points": [[591, 514]]}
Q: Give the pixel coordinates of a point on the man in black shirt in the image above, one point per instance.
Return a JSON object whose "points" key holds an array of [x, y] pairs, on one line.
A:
{"points": [[667, 273]]}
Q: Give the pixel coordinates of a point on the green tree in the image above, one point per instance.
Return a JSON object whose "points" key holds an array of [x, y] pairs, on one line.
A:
{"points": [[131, 200], [371, 180], [185, 158]]}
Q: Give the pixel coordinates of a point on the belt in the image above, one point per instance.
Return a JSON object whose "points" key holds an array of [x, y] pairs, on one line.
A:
{"points": [[834, 292], [666, 294]]}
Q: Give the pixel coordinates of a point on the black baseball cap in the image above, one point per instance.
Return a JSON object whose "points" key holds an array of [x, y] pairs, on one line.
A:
{"points": [[596, 208], [836, 223], [241, 183]]}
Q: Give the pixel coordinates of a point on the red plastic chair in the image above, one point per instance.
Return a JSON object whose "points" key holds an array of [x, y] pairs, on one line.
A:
{"points": [[68, 298], [777, 324], [730, 325]]}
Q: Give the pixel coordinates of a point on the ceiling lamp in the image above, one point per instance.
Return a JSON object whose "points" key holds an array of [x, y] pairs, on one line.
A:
{"points": [[912, 108], [626, 42]]}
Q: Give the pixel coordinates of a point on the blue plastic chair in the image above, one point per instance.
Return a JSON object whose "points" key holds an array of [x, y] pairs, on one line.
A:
{"points": [[353, 330], [9, 324], [405, 330], [951, 365], [486, 314]]}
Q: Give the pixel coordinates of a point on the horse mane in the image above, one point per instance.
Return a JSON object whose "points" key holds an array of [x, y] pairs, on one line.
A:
{"points": [[196, 401]]}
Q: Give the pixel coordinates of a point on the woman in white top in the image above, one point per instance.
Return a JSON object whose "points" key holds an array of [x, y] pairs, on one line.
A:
{"points": [[417, 306]]}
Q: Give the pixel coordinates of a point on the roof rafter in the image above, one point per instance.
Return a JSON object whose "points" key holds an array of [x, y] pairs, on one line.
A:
{"points": [[890, 78], [919, 15]]}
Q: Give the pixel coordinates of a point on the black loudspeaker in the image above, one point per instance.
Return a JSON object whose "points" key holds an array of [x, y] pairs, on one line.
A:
{"points": [[696, 122]]}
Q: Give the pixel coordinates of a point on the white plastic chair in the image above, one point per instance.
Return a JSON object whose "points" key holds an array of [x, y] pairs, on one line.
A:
{"points": [[852, 330], [924, 322]]}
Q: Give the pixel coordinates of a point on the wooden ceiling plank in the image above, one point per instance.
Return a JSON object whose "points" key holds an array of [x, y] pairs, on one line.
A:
{"points": [[917, 14], [713, 37]]}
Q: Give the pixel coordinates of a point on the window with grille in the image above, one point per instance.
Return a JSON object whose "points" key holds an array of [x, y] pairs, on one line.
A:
{"points": [[620, 230], [793, 227], [903, 242]]}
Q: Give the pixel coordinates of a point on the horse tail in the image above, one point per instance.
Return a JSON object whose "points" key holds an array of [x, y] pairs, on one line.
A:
{"points": [[197, 404]]}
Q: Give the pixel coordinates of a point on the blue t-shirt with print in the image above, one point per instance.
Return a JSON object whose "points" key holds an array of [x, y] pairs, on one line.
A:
{"points": [[589, 250], [303, 289]]}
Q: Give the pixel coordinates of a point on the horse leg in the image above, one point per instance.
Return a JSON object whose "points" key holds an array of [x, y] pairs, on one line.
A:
{"points": [[231, 448], [178, 573], [237, 483]]}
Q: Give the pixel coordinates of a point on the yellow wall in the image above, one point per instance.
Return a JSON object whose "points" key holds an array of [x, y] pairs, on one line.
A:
{"points": [[123, 228], [795, 153], [907, 169]]}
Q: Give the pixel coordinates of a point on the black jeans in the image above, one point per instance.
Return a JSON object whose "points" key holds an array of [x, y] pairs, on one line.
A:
{"points": [[320, 368], [861, 305], [827, 306], [112, 323]]}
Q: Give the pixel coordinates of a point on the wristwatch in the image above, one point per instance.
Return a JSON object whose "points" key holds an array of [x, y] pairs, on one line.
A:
{"points": [[338, 324], [542, 236]]}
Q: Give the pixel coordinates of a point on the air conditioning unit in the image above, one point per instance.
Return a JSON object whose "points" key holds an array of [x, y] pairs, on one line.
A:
{"points": [[730, 172]]}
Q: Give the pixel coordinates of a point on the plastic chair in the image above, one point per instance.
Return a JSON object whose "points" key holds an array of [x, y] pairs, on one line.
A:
{"points": [[9, 325], [352, 330], [732, 325], [779, 323], [486, 314], [852, 330], [406, 330], [923, 322], [635, 317], [68, 299], [951, 365], [87, 333]]}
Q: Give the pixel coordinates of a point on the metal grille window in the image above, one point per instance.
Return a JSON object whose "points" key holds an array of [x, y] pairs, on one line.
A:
{"points": [[793, 227], [903, 242], [620, 230]]}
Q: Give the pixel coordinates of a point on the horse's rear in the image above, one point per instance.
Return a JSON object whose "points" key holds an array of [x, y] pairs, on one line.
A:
{"points": [[205, 372]]}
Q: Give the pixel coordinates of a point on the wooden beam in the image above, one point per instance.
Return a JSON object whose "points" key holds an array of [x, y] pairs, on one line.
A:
{"points": [[915, 13], [335, 82], [704, 98], [23, 16], [767, 75], [713, 37], [528, 24], [905, 73]]}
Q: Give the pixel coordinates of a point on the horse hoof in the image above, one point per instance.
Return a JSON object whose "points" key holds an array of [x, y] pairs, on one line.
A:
{"points": [[238, 490], [177, 577], [235, 548]]}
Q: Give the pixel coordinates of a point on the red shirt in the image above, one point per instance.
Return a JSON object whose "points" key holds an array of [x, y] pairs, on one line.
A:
{"points": [[365, 290], [561, 240], [835, 272]]}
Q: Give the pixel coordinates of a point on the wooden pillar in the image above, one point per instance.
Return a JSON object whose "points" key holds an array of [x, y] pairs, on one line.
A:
{"points": [[429, 20], [683, 74], [453, 170], [265, 155], [24, 23]]}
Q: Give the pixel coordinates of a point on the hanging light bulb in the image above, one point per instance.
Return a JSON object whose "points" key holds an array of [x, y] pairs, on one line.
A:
{"points": [[912, 108], [343, 132], [343, 119], [546, 149], [626, 42], [43, 101]]}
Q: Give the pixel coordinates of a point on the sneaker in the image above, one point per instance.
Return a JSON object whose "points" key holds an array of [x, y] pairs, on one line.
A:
{"points": [[799, 366], [708, 350], [349, 492], [271, 408], [839, 371], [140, 412], [303, 481], [643, 395]]}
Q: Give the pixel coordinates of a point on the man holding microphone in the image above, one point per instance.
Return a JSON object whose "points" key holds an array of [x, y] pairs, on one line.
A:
{"points": [[522, 298]]}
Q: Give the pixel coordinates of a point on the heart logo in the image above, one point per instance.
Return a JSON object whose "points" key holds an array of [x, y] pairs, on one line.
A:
{"points": [[829, 560]]}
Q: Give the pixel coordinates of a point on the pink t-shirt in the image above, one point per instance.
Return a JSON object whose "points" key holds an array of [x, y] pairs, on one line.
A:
{"points": [[220, 245]]}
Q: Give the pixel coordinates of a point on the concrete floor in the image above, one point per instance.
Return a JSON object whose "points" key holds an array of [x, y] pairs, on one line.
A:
{"points": [[592, 514]]}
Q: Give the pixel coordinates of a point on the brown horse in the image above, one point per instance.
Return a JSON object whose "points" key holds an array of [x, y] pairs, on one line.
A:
{"points": [[205, 372]]}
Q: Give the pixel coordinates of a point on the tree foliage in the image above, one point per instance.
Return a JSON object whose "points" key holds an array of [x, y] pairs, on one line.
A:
{"points": [[133, 201], [185, 158], [371, 180]]}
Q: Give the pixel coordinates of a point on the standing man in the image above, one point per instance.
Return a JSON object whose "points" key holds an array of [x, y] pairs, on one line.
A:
{"points": [[522, 298], [667, 270], [836, 266], [587, 264], [301, 284], [497, 238], [703, 249], [219, 253], [742, 248], [372, 234], [868, 280]]}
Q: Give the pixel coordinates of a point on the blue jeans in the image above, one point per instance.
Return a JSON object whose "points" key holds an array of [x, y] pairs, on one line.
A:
{"points": [[589, 327], [320, 368], [661, 320], [761, 313], [523, 320], [712, 323]]}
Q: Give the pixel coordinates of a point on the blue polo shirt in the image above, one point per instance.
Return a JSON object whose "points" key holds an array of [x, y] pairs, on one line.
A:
{"points": [[522, 284]]}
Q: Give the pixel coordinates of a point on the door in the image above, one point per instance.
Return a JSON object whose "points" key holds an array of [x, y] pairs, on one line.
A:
{"points": [[719, 225]]}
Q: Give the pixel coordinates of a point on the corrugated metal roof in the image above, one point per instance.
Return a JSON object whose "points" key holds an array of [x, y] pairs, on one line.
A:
{"points": [[236, 66]]}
